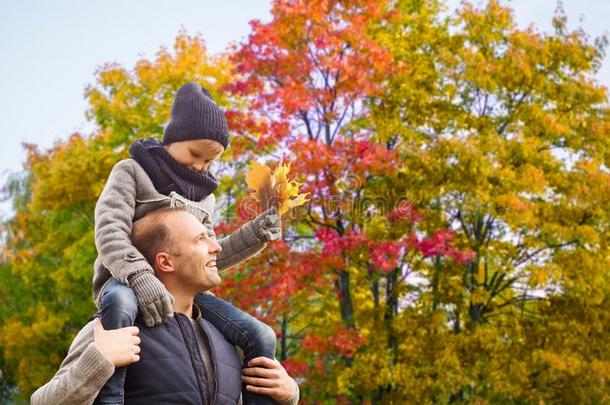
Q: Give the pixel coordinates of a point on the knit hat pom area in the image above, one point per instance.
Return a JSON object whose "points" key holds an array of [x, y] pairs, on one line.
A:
{"points": [[195, 115]]}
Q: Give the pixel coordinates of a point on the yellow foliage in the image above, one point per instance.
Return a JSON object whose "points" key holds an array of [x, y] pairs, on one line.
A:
{"points": [[274, 188], [479, 296]]}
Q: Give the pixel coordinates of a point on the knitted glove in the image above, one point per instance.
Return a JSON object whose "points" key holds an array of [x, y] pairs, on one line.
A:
{"points": [[154, 301], [268, 225]]}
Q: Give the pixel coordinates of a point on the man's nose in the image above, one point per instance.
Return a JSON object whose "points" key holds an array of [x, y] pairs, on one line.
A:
{"points": [[213, 246]]}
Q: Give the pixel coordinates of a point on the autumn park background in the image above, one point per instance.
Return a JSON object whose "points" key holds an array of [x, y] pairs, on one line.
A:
{"points": [[455, 248]]}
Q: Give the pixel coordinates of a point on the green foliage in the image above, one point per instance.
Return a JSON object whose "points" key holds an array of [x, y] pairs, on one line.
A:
{"points": [[49, 249]]}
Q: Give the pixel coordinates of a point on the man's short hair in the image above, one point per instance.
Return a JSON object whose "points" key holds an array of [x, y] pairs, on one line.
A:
{"points": [[151, 235]]}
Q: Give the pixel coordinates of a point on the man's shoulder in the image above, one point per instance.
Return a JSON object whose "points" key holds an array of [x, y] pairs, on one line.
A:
{"points": [[79, 344], [84, 336]]}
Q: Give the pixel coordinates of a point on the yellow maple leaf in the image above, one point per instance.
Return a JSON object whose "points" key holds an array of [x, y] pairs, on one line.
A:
{"points": [[274, 188]]}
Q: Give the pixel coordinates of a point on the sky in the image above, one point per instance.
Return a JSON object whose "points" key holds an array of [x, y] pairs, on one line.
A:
{"points": [[51, 50]]}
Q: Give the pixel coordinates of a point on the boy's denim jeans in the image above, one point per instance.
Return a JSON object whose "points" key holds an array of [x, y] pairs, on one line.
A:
{"points": [[119, 307], [255, 338]]}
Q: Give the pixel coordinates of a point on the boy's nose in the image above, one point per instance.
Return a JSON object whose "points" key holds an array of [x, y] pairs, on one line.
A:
{"points": [[199, 167]]}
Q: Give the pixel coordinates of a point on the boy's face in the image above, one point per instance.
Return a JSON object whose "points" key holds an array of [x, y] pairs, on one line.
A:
{"points": [[196, 154]]}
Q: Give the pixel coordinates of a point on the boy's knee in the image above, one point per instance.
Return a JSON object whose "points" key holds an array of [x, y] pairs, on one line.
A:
{"points": [[204, 298], [265, 337], [122, 300], [119, 307]]}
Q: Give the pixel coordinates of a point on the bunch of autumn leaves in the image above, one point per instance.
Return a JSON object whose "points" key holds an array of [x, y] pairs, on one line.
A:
{"points": [[272, 187]]}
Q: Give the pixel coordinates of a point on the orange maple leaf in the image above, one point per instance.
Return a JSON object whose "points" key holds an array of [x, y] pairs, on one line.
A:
{"points": [[274, 188]]}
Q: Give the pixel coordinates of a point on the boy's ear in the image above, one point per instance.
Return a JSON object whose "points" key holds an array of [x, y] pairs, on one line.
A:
{"points": [[164, 262]]}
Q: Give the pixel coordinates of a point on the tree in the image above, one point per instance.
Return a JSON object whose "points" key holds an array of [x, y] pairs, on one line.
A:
{"points": [[455, 249], [508, 146], [310, 73], [45, 279], [496, 137]]}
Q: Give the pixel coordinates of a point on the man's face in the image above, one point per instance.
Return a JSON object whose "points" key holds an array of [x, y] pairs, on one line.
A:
{"points": [[195, 263]]}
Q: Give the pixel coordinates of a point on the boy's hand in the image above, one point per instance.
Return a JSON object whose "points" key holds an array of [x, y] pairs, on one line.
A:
{"points": [[154, 301], [268, 225], [119, 346], [268, 377]]}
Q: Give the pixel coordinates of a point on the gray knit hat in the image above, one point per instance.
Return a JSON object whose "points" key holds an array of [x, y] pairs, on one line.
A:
{"points": [[195, 115]]}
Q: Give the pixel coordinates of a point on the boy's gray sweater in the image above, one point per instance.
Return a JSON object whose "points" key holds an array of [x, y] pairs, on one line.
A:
{"points": [[128, 195]]}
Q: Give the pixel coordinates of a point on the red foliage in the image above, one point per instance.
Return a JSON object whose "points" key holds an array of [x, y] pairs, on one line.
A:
{"points": [[386, 254], [341, 341], [440, 244], [334, 244], [405, 212], [296, 368], [305, 77]]}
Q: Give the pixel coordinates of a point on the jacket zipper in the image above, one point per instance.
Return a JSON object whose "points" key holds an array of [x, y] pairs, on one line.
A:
{"points": [[190, 350]]}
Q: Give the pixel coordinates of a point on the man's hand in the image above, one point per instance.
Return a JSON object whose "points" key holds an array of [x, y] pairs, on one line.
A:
{"points": [[119, 346], [268, 377]]}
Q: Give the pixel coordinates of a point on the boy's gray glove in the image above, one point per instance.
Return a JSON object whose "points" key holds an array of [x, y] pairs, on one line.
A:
{"points": [[268, 225], [154, 301]]}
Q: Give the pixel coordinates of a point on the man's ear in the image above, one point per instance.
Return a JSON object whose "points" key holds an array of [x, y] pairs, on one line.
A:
{"points": [[164, 262]]}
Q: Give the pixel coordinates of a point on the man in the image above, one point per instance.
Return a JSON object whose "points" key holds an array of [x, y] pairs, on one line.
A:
{"points": [[186, 360]]}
